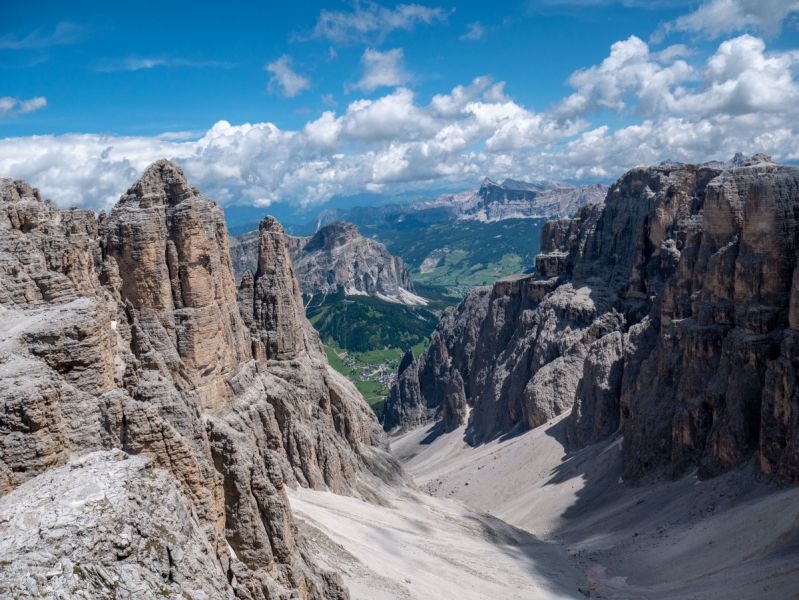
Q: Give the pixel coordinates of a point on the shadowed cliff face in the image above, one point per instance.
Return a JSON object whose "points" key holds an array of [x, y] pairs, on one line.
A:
{"points": [[125, 332], [423, 392], [667, 312]]}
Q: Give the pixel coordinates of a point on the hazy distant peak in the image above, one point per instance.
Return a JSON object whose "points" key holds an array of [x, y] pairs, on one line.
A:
{"points": [[739, 160]]}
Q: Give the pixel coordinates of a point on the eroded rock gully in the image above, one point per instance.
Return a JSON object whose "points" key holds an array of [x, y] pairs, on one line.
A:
{"points": [[670, 313], [122, 335]]}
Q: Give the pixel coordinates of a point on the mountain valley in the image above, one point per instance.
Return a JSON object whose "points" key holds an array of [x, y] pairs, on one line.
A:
{"points": [[619, 422], [386, 300]]}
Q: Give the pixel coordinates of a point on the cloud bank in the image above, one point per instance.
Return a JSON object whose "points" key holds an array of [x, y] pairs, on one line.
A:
{"points": [[664, 103]]}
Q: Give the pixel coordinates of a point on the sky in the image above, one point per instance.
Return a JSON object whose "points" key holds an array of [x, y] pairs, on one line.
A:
{"points": [[300, 102]]}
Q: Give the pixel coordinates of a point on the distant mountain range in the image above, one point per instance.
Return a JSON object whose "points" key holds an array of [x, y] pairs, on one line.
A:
{"points": [[734, 163], [490, 202]]}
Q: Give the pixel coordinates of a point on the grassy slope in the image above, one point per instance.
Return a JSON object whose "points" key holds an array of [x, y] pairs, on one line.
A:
{"points": [[472, 253]]}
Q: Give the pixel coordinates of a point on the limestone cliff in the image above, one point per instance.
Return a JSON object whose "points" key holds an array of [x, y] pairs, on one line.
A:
{"points": [[667, 312], [511, 199], [339, 257], [124, 332]]}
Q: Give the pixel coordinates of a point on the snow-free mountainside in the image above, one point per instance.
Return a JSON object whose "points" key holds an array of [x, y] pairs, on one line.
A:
{"points": [[621, 423]]}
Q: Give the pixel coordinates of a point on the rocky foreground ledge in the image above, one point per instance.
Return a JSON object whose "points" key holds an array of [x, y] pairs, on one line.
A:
{"points": [[151, 415], [669, 313]]}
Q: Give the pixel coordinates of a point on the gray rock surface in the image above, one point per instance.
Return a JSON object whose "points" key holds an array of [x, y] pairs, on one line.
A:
{"points": [[668, 312], [518, 199], [244, 253], [124, 332], [107, 525], [338, 257]]}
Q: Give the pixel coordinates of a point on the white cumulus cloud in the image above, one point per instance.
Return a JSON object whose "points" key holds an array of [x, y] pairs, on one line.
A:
{"points": [[286, 78], [382, 69], [12, 107], [739, 97]]}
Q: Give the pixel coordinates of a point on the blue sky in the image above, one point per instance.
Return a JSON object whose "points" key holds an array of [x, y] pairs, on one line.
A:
{"points": [[347, 97]]}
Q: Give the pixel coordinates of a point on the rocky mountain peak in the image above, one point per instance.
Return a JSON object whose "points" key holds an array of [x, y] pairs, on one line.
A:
{"points": [[168, 245], [757, 159], [406, 361], [669, 312], [739, 160], [333, 236], [12, 190], [124, 335], [270, 224], [338, 257], [163, 183]]}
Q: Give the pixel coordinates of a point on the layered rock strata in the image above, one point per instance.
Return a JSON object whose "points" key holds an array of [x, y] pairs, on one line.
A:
{"points": [[124, 332], [666, 313], [518, 199]]}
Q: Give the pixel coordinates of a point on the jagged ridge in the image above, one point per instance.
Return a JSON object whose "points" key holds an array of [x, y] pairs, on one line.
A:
{"points": [[125, 332], [668, 313]]}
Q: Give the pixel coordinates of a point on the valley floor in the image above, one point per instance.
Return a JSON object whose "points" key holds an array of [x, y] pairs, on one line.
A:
{"points": [[414, 546], [519, 518]]}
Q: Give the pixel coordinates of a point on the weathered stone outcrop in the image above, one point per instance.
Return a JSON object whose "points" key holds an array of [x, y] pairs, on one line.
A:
{"points": [[667, 313], [108, 525], [46, 254], [244, 253], [170, 247], [511, 199], [322, 451], [124, 332], [337, 258]]}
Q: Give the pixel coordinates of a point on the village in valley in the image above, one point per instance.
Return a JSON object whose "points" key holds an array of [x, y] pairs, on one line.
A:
{"points": [[373, 373], [384, 373]]}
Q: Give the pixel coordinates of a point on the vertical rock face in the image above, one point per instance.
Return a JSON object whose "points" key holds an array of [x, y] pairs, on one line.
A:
{"points": [[125, 333], [171, 251], [322, 451], [667, 312], [46, 255], [277, 309], [423, 391], [513, 199], [336, 258]]}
